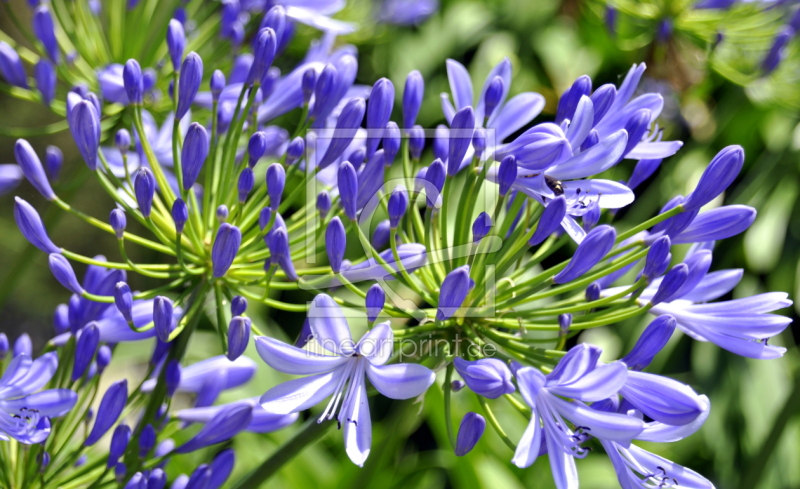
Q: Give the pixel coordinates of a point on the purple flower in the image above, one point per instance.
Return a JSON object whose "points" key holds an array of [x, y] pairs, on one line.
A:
{"points": [[85, 349], [176, 43], [108, 412], [591, 250], [374, 302], [45, 75], [379, 110], [742, 326], [32, 168], [238, 336], [406, 12], [11, 66], [340, 375], [226, 245], [481, 226], [261, 422], [488, 377], [144, 186], [397, 206], [189, 83], [25, 413], [227, 423], [132, 81], [335, 243], [412, 98], [209, 377], [31, 226], [347, 125], [578, 377], [276, 181], [64, 273], [180, 214], [469, 432], [461, 130], [454, 290], [163, 318], [44, 29], [719, 174], [194, 153]]}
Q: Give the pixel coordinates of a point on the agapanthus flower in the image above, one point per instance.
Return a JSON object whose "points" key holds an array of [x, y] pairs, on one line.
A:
{"points": [[25, 413], [339, 374]]}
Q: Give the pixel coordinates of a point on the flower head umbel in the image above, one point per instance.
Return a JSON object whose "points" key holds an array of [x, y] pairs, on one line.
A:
{"points": [[340, 374]]}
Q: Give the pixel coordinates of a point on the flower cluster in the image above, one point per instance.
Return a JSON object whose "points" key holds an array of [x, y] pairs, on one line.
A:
{"points": [[453, 234]]}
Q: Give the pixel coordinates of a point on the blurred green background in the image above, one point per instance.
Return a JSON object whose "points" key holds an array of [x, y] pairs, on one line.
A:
{"points": [[751, 439]]}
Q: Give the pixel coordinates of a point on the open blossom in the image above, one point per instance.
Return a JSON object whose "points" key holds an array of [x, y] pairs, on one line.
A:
{"points": [[742, 326], [25, 413], [577, 376], [340, 374]]}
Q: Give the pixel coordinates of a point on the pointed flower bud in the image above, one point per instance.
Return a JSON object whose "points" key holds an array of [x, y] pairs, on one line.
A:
{"points": [[144, 186], [226, 245], [308, 83], [457, 385], [777, 52], [108, 412], [122, 140], [461, 130], [120, 471], [507, 174], [245, 185], [323, 91], [416, 141], [228, 422], [60, 320], [397, 206], [391, 143], [238, 305], [256, 148], [163, 317], [375, 300], [323, 203], [264, 48], [118, 222], [469, 432], [189, 83], [335, 243], [412, 98], [172, 376], [381, 235], [280, 254], [176, 43], [45, 75], [119, 443], [454, 290], [671, 284], [295, 150], [64, 273], [379, 110], [4, 346], [85, 349], [719, 174], [11, 67], [84, 123], [436, 176], [221, 468], [238, 336], [591, 218], [103, 357], [216, 84], [157, 479], [23, 345], [124, 301], [479, 141], [53, 161], [132, 79], [564, 323], [222, 213], [347, 125], [652, 340], [44, 29], [487, 377], [147, 440], [194, 153], [493, 95], [550, 220], [348, 189], [657, 258], [32, 168], [481, 227], [597, 243], [276, 180], [43, 459], [180, 215]]}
